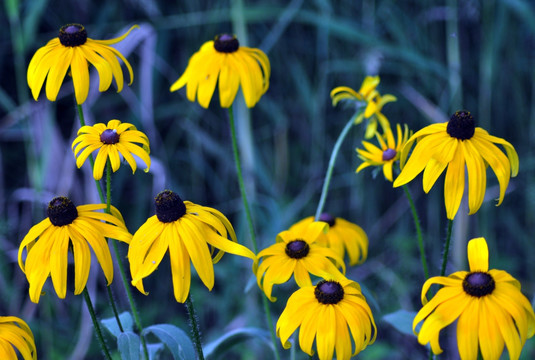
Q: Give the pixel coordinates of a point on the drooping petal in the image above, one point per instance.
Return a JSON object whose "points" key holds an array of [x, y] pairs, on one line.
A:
{"points": [[58, 261], [180, 267], [454, 184]]}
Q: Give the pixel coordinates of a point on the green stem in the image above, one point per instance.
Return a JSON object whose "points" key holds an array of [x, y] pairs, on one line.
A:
{"points": [[418, 231], [329, 173], [240, 179], [114, 243], [236, 152], [446, 248], [96, 324], [121, 268], [108, 207], [195, 330]]}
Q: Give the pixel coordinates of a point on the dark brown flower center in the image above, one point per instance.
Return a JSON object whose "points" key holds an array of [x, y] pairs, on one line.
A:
{"points": [[72, 35], [61, 211], [329, 292], [109, 136], [389, 154], [169, 206], [226, 43], [297, 249], [328, 218], [461, 125], [478, 284]]}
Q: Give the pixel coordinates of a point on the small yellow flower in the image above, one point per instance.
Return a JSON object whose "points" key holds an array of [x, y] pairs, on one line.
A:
{"points": [[489, 308], [342, 236], [16, 334], [335, 313], [111, 139], [458, 145], [234, 65], [70, 227], [74, 49], [369, 96], [385, 155], [189, 232], [297, 253]]}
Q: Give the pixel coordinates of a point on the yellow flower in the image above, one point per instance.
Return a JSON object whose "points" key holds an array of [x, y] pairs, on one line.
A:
{"points": [[74, 49], [111, 140], [342, 236], [16, 334], [371, 98], [189, 232], [296, 252], [70, 227], [234, 65], [385, 155], [458, 143], [489, 308], [333, 312]]}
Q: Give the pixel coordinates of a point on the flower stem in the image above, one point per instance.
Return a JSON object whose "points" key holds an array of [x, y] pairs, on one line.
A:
{"points": [[194, 325], [250, 224], [418, 231], [240, 179], [446, 248], [95, 324], [108, 206], [329, 173], [121, 269], [114, 243]]}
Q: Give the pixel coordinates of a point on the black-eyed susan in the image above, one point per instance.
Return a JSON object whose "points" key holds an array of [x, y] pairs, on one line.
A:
{"points": [[16, 334], [386, 154], [458, 145], [296, 252], [191, 233], [234, 65], [333, 312], [73, 49], [489, 308], [343, 236], [111, 140], [369, 97], [75, 228]]}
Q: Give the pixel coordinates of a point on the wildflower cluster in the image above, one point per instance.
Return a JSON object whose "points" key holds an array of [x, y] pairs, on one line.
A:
{"points": [[326, 306]]}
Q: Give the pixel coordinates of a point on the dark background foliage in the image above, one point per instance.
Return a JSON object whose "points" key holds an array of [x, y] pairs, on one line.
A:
{"points": [[436, 57]]}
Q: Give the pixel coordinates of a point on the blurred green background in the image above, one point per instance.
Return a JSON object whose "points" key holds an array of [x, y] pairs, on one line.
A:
{"points": [[436, 57]]}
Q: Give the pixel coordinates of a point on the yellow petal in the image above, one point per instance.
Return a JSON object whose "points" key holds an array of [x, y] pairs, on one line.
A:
{"points": [[478, 255]]}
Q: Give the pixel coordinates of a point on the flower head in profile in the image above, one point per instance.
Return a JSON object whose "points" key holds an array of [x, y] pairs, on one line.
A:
{"points": [[489, 308], [386, 154], [335, 313], [343, 236], [15, 334], [190, 233], [223, 60], [458, 145], [111, 140], [369, 97], [72, 49], [74, 228], [296, 252]]}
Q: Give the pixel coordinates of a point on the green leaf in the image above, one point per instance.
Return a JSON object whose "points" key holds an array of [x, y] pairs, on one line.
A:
{"points": [[176, 340], [401, 320], [111, 324], [225, 342], [129, 345]]}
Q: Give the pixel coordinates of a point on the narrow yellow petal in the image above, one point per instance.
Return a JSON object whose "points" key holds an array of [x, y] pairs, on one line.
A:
{"points": [[80, 76], [478, 255]]}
